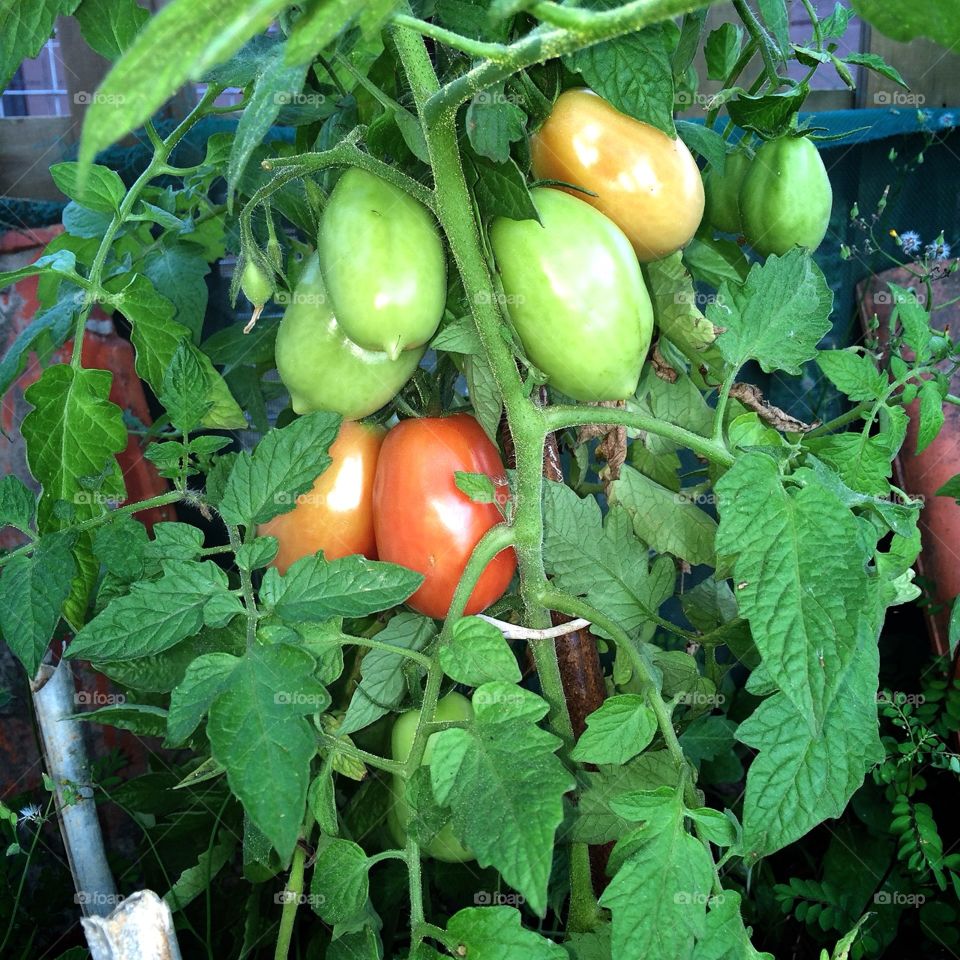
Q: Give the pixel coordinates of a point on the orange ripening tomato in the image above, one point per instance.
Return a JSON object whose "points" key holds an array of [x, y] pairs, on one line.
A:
{"points": [[422, 519], [336, 516], [646, 183]]}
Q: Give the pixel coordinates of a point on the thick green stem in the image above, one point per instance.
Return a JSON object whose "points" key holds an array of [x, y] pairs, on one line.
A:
{"points": [[559, 418], [293, 893], [762, 39]]}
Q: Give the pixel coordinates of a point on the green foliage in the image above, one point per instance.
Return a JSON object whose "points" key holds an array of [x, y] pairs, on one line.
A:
{"points": [[741, 708]]}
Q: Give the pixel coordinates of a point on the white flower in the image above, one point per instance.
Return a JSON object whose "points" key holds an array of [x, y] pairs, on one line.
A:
{"points": [[938, 250], [32, 812]]}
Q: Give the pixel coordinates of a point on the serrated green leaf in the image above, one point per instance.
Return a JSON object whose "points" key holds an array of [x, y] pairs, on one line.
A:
{"points": [[193, 881], [800, 778], [633, 73], [102, 189], [853, 374], [801, 576], [33, 589], [109, 26], [658, 895], [667, 521], [484, 394], [459, 336], [478, 653], [178, 270], [931, 414], [504, 783], [382, 686], [138, 718], [257, 731], [120, 545], [617, 731], [205, 679], [18, 506], [724, 936], [145, 77], [184, 391], [495, 933], [73, 433], [340, 883], [777, 317], [477, 486], [902, 20], [284, 465], [313, 589], [722, 50], [605, 563], [24, 29], [165, 611], [493, 122], [500, 189]]}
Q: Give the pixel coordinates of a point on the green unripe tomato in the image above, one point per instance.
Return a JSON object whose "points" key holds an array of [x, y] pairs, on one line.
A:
{"points": [[255, 284], [576, 296], [444, 846], [325, 370], [383, 263], [723, 189], [785, 197]]}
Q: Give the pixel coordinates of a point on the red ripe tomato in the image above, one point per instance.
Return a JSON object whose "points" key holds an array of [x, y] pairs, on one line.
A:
{"points": [[424, 522], [336, 516]]}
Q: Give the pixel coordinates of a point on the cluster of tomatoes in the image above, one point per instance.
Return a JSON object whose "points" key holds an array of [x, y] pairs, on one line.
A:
{"points": [[369, 301]]}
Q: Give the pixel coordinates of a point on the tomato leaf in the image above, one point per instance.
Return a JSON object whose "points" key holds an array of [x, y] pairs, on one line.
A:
{"points": [[802, 581], [903, 20], [500, 189], [18, 505], [184, 392], [877, 64], [285, 464], [617, 731], [179, 271], [667, 521], [504, 783], [633, 73], [195, 880], [931, 414], [774, 15], [493, 122], [722, 50], [145, 77], [770, 115], [603, 560], [477, 486], [166, 611], [102, 189], [205, 679], [853, 374], [109, 26], [33, 589], [724, 935], [777, 317], [257, 731], [383, 684], [340, 883], [493, 933], [24, 29], [658, 895], [276, 83], [478, 653], [139, 718], [800, 777], [708, 143]]}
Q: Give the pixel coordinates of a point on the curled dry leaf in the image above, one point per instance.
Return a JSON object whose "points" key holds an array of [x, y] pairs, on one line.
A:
{"points": [[751, 397]]}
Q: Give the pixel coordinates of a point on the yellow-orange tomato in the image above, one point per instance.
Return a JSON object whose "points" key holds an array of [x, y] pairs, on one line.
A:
{"points": [[336, 516], [646, 183]]}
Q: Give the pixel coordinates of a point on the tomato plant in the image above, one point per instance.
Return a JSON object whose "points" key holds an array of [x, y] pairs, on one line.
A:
{"points": [[336, 514], [426, 523], [500, 618]]}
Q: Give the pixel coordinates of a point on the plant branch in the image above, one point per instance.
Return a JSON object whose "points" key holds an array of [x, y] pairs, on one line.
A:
{"points": [[292, 894], [762, 39], [560, 417]]}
